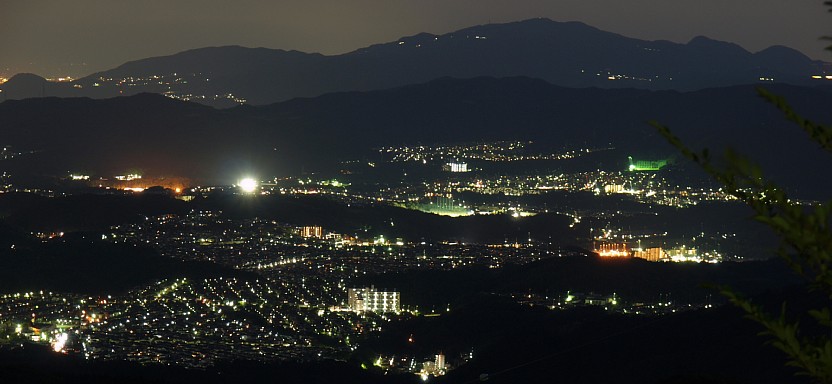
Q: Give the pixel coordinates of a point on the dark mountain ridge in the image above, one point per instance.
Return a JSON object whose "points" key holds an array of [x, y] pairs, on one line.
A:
{"points": [[569, 54]]}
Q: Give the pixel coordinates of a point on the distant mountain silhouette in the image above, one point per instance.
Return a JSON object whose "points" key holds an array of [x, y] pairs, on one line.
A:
{"points": [[24, 86], [165, 137], [569, 54]]}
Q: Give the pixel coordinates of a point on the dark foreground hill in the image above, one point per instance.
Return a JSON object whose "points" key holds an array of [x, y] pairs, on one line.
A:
{"points": [[513, 343], [712, 346], [34, 364], [635, 280]]}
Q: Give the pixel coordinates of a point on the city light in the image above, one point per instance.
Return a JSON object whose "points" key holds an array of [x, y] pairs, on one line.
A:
{"points": [[60, 342], [613, 253], [248, 185], [512, 200]]}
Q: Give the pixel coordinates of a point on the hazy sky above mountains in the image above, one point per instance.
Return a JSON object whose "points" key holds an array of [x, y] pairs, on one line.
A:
{"points": [[78, 37]]}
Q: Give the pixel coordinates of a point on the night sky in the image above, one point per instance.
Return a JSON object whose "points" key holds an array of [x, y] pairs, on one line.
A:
{"points": [[79, 37]]}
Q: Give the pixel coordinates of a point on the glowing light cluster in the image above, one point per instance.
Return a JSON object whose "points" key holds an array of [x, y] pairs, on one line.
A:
{"points": [[612, 250], [613, 253], [248, 185], [60, 342], [130, 177]]}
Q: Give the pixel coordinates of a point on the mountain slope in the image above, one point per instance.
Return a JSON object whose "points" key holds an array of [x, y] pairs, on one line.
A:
{"points": [[569, 54], [171, 138]]}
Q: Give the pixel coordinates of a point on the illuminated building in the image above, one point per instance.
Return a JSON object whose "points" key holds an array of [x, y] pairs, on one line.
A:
{"points": [[79, 177], [439, 363], [595, 300], [613, 188], [683, 254], [612, 250], [649, 254], [428, 368], [369, 299], [646, 165], [130, 177], [455, 167], [437, 367], [134, 183], [316, 232]]}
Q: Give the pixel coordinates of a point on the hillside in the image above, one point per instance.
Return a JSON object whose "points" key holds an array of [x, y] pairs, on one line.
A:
{"points": [[569, 54], [158, 136]]}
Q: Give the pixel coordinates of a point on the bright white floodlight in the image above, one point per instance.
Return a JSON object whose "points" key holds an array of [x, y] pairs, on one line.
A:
{"points": [[248, 185]]}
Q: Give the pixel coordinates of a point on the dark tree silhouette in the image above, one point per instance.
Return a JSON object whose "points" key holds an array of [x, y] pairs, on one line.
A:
{"points": [[806, 241]]}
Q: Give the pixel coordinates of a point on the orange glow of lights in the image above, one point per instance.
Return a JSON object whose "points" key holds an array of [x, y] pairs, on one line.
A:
{"points": [[613, 253], [612, 250]]}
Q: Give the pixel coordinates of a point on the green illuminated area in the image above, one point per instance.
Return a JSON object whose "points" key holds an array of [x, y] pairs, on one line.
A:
{"points": [[443, 206], [646, 165]]}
